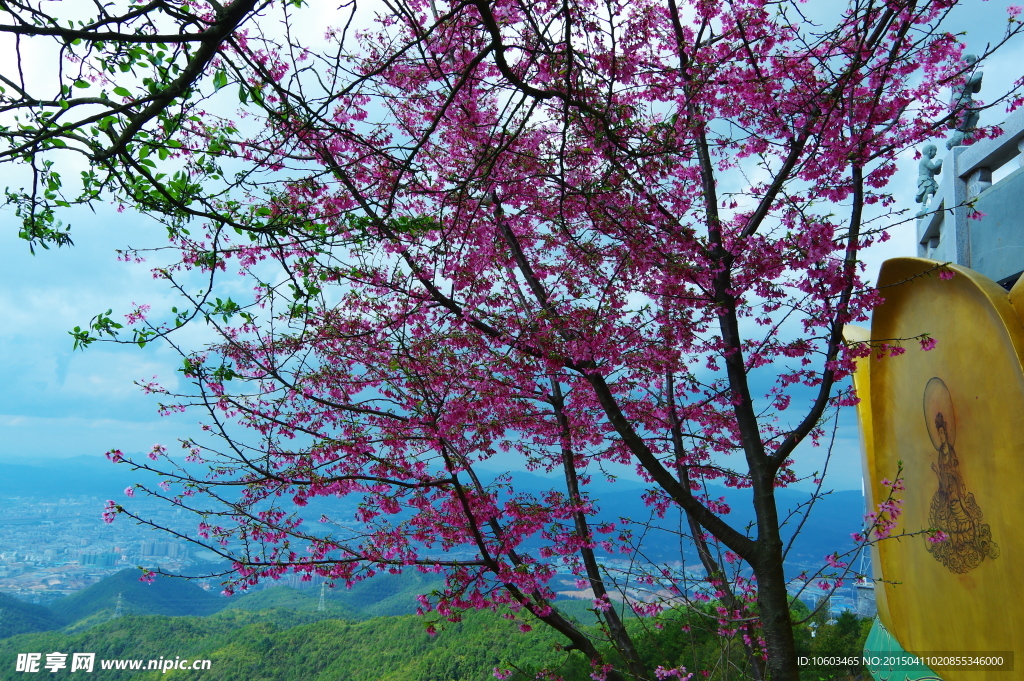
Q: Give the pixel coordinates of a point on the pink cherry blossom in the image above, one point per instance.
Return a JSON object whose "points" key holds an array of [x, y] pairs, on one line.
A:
{"points": [[481, 241]]}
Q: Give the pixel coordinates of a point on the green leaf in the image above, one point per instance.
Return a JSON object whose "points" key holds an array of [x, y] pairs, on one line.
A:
{"points": [[82, 84], [220, 79], [123, 92]]}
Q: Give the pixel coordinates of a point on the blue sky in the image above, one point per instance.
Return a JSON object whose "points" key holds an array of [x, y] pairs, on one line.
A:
{"points": [[58, 403]]}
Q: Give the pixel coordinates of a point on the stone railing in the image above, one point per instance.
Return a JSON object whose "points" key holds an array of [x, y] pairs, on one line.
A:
{"points": [[992, 241]]}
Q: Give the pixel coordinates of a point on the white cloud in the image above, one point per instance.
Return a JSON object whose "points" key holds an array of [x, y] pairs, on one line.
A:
{"points": [[37, 436]]}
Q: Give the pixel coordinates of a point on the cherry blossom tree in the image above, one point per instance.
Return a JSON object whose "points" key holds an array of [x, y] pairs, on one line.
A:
{"points": [[576, 235]]}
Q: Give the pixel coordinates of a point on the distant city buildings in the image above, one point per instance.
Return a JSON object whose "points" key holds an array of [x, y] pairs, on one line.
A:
{"points": [[50, 549], [53, 548]]}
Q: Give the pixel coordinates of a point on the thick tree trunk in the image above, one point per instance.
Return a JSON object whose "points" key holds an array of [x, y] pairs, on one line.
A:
{"points": [[773, 605]]}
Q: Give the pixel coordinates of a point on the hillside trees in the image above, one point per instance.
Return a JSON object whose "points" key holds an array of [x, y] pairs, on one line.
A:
{"points": [[575, 234]]}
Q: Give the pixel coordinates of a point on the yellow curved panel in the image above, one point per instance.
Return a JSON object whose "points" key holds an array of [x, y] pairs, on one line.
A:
{"points": [[862, 384], [954, 416]]}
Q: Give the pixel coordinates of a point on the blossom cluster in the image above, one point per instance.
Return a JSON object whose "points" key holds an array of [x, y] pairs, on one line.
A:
{"points": [[511, 232]]}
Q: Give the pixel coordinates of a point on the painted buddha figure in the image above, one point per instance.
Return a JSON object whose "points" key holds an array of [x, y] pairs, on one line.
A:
{"points": [[953, 509]]}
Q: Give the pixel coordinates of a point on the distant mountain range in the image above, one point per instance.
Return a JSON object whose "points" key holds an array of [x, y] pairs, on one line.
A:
{"points": [[383, 595], [828, 528], [73, 476]]}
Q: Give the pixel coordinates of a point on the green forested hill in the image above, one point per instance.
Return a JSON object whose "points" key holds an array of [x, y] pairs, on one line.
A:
{"points": [[19, 617], [382, 595], [278, 634], [387, 594], [287, 598], [281, 646], [165, 596]]}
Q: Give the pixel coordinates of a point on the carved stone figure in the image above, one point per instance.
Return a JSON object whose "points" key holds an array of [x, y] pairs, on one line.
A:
{"points": [[965, 116], [927, 169]]}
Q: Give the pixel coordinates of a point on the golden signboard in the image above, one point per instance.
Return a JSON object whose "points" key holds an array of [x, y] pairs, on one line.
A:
{"points": [[954, 416]]}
